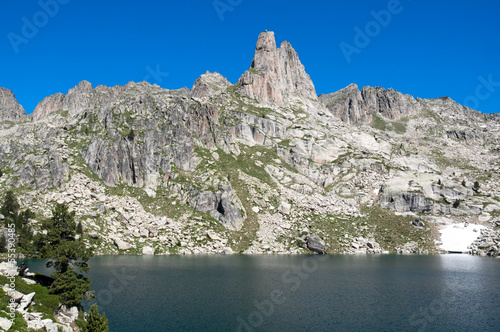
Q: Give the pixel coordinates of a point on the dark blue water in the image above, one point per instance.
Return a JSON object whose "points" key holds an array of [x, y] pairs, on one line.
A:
{"points": [[298, 293]]}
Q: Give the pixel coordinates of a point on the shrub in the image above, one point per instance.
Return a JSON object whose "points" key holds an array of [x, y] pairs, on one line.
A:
{"points": [[456, 204]]}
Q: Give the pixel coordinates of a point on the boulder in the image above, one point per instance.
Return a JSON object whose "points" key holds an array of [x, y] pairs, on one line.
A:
{"points": [[121, 245], [147, 250], [5, 324], [314, 243], [26, 301]]}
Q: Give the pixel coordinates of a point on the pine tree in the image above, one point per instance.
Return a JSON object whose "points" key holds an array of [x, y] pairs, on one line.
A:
{"points": [[10, 207], [79, 228], [3, 243], [96, 322], [476, 186], [61, 250], [131, 135]]}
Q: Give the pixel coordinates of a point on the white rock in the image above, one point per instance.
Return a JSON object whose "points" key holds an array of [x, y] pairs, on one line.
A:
{"points": [[122, 245], [256, 209], [5, 324], [26, 301], [285, 208], [147, 250]]}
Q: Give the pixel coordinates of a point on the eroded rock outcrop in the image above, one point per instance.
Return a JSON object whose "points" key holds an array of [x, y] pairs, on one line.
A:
{"points": [[276, 74], [10, 109], [356, 106]]}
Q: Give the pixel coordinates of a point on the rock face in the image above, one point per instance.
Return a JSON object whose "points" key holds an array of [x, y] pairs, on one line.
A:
{"points": [[276, 76], [354, 106], [208, 84], [84, 97], [10, 109]]}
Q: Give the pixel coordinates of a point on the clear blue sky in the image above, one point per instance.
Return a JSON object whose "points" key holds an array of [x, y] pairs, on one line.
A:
{"points": [[427, 48]]}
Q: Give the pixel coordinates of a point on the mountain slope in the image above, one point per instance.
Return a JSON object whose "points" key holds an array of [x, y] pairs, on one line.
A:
{"points": [[255, 167]]}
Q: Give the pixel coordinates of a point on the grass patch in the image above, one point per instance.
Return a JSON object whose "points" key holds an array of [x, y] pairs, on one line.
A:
{"points": [[378, 122]]}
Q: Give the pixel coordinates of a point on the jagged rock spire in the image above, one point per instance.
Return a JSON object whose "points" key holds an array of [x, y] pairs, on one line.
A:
{"points": [[276, 74]]}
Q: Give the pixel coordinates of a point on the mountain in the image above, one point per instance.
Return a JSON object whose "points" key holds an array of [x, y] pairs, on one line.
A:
{"points": [[10, 109], [263, 165]]}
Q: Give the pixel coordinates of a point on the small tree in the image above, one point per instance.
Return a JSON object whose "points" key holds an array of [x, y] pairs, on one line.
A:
{"points": [[62, 251], [476, 186], [131, 135], [96, 322], [464, 184], [10, 207], [79, 228], [439, 182], [456, 204], [3, 243], [1, 173]]}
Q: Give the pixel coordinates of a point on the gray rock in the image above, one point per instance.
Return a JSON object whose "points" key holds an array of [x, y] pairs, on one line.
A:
{"points": [[418, 223], [10, 109], [122, 245], [314, 243]]}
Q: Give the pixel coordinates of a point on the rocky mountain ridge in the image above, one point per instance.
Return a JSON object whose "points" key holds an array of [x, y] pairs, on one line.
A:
{"points": [[260, 166]]}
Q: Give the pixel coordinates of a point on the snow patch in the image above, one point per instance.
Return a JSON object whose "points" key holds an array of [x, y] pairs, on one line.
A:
{"points": [[457, 237]]}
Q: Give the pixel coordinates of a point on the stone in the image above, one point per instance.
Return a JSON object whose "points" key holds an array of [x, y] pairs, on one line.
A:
{"points": [[5, 324], [26, 301], [121, 245], [418, 223], [146, 250], [314, 243], [285, 208]]}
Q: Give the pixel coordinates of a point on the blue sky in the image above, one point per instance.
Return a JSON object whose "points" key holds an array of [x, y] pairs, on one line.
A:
{"points": [[425, 48]]}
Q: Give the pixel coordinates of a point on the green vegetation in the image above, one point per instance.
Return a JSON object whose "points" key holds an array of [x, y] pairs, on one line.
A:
{"points": [[61, 250], [391, 231], [476, 186], [378, 122], [131, 135], [456, 204], [95, 322], [21, 219], [1, 173]]}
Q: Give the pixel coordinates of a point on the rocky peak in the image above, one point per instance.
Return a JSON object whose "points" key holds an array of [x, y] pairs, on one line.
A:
{"points": [[276, 75], [354, 106], [10, 109], [209, 84]]}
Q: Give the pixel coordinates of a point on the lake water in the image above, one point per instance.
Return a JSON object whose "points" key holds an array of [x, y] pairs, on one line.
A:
{"points": [[298, 293]]}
